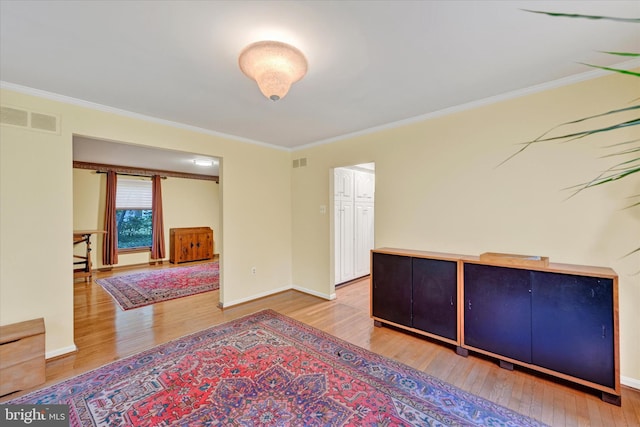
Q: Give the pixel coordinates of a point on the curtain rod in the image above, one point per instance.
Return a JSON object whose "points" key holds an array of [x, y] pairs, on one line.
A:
{"points": [[132, 174], [137, 171]]}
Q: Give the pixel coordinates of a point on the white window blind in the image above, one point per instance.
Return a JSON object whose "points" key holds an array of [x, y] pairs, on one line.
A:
{"points": [[132, 193]]}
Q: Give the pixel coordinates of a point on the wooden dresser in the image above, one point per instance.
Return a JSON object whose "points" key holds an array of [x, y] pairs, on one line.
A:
{"points": [[190, 244], [22, 358]]}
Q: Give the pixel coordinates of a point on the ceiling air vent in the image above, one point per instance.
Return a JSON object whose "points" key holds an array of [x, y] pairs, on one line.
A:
{"points": [[42, 122]]}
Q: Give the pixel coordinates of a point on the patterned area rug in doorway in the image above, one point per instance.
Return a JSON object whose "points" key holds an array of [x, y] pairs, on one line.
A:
{"points": [[140, 289], [266, 370]]}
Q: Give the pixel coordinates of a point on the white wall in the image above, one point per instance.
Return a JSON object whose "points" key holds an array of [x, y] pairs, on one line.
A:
{"points": [[438, 188]]}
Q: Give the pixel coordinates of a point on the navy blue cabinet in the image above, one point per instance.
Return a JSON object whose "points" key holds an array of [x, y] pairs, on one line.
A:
{"points": [[418, 293], [554, 321], [497, 310], [435, 299], [572, 325], [558, 319], [391, 288]]}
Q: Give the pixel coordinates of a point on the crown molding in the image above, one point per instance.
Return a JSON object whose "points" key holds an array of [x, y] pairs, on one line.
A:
{"points": [[106, 109], [565, 81]]}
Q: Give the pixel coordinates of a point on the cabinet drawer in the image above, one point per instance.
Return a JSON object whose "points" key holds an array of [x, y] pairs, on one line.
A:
{"points": [[22, 361], [24, 375], [15, 352]]}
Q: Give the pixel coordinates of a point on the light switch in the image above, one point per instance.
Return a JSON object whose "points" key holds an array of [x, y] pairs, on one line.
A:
{"points": [[323, 209]]}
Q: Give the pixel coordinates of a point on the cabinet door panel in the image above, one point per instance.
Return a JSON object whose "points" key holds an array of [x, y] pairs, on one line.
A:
{"points": [[203, 246], [435, 296], [497, 310], [185, 248], [391, 293], [572, 325]]}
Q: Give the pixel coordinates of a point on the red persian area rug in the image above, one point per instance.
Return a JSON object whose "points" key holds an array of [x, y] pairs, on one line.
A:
{"points": [[140, 289], [266, 370]]}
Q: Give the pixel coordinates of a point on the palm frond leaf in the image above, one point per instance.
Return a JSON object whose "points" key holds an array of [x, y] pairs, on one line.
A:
{"points": [[622, 153], [633, 252], [621, 53], [594, 17], [603, 178], [615, 70], [577, 135], [623, 143], [582, 134]]}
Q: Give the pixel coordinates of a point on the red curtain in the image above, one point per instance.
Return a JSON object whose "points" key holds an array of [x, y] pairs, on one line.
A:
{"points": [[110, 241], [157, 224]]}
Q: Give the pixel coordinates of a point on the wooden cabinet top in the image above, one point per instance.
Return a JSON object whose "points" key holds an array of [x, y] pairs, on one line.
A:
{"points": [[422, 254], [190, 230], [16, 331], [582, 270]]}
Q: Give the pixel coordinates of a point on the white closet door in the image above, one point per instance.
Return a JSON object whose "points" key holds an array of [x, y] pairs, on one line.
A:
{"points": [[364, 186], [343, 184], [347, 231], [363, 238], [353, 223]]}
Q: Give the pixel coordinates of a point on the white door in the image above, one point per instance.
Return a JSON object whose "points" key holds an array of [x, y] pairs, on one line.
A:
{"points": [[353, 223], [363, 238], [344, 239], [343, 184], [364, 186]]}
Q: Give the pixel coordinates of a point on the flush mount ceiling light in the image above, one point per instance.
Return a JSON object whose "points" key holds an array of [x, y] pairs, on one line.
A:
{"points": [[274, 66]]}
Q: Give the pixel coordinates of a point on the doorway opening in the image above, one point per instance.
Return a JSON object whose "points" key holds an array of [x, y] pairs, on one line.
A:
{"points": [[353, 221], [191, 193]]}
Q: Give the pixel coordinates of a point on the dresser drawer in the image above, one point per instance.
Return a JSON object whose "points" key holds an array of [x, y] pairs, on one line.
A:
{"points": [[22, 355]]}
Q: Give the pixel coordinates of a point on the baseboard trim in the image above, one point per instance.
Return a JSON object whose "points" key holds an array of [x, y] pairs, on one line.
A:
{"points": [[228, 304], [315, 293], [59, 352], [630, 382], [253, 297]]}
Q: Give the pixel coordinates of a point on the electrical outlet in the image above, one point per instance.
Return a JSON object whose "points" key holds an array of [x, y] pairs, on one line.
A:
{"points": [[253, 271]]}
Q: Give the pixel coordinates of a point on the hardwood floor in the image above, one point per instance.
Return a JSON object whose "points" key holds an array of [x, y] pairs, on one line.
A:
{"points": [[103, 333]]}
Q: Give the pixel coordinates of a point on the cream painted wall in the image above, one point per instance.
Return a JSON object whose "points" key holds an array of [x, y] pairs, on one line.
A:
{"points": [[87, 206], [36, 277], [186, 203], [438, 188], [36, 222], [191, 203]]}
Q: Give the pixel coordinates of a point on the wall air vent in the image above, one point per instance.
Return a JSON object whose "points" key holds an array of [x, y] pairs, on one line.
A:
{"points": [[19, 117], [14, 116], [44, 122], [300, 163]]}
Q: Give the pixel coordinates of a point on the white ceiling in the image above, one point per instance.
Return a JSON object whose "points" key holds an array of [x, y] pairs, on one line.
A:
{"points": [[371, 63]]}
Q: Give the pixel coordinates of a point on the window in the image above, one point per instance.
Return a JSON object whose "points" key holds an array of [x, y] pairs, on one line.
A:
{"points": [[133, 212]]}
